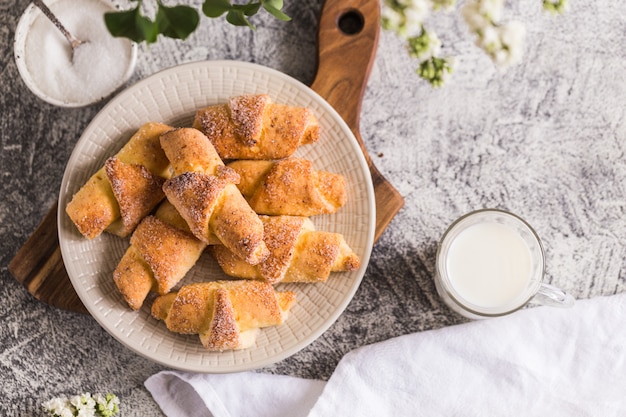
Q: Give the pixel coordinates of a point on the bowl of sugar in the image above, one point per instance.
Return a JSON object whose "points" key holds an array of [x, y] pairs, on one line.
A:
{"points": [[49, 68]]}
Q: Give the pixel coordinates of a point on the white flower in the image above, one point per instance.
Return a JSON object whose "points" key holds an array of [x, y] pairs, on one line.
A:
{"points": [[501, 57], [414, 18], [492, 9], [447, 5], [556, 6], [55, 405], [512, 33], [405, 17], [66, 412], [76, 401], [489, 39], [86, 412], [434, 46], [474, 19], [88, 401], [420, 7], [83, 406], [512, 36], [503, 42], [392, 19]]}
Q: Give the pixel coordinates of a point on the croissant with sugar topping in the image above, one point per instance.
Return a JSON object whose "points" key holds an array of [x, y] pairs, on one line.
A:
{"points": [[253, 127]]}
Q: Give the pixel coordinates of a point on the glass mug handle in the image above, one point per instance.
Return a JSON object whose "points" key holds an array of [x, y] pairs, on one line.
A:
{"points": [[550, 295]]}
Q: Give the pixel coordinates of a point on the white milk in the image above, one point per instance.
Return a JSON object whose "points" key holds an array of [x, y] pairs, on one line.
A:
{"points": [[489, 264]]}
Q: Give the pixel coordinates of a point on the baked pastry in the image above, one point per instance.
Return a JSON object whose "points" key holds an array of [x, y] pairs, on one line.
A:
{"points": [[161, 252], [289, 187], [125, 189], [298, 253], [253, 127], [226, 314], [203, 191]]}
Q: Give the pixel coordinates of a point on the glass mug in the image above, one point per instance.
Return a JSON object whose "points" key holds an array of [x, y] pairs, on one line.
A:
{"points": [[490, 263]]}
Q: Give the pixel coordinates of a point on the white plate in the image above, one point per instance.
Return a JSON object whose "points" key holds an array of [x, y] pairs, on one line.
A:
{"points": [[172, 96]]}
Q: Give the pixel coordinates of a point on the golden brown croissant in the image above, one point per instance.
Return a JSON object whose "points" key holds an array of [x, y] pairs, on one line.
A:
{"points": [[289, 187], [161, 252], [298, 253], [203, 191], [252, 127], [226, 314], [126, 189]]}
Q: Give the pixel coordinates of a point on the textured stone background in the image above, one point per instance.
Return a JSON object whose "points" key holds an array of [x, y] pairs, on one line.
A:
{"points": [[545, 140]]}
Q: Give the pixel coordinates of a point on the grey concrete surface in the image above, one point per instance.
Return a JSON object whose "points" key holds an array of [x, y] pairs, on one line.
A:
{"points": [[545, 140]]}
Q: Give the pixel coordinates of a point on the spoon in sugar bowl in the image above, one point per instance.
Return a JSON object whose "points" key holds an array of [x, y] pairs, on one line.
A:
{"points": [[74, 42]]}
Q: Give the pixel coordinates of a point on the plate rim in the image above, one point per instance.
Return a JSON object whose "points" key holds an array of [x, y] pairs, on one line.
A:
{"points": [[369, 241]]}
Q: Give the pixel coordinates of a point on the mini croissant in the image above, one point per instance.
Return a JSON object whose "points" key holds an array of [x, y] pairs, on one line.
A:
{"points": [[203, 191], [289, 187], [298, 253], [226, 314], [253, 127], [161, 252], [125, 189]]}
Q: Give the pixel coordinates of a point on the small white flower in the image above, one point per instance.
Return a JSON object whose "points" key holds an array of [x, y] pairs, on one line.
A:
{"points": [[88, 401], [86, 412], [414, 18], [490, 39], [76, 401], [501, 57], [55, 405], [492, 9], [512, 33], [392, 19], [473, 18], [434, 46], [447, 5], [83, 406], [66, 412]]}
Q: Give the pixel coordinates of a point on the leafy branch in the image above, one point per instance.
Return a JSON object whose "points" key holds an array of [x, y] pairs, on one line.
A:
{"points": [[180, 21]]}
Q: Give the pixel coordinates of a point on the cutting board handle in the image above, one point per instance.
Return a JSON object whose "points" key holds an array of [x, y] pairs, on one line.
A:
{"points": [[347, 41]]}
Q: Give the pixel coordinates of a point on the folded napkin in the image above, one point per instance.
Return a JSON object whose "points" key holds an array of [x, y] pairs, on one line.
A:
{"points": [[535, 362]]}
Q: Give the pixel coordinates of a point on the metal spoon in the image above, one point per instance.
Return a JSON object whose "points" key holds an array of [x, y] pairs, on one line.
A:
{"points": [[74, 42]]}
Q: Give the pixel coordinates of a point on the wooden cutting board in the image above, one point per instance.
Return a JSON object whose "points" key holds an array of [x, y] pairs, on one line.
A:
{"points": [[347, 41]]}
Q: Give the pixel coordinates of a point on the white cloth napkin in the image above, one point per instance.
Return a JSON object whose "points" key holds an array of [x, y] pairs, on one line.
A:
{"points": [[536, 362]]}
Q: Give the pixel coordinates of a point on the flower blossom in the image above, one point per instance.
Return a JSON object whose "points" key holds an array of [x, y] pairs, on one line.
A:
{"points": [[504, 43], [406, 18], [84, 405], [555, 6]]}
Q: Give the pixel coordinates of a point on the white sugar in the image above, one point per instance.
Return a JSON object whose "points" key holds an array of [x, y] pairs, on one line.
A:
{"points": [[98, 67]]}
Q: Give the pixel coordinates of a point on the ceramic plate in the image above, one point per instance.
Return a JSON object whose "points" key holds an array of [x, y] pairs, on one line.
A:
{"points": [[172, 96]]}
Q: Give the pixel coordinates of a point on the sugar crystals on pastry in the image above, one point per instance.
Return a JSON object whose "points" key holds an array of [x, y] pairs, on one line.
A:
{"points": [[161, 252], [253, 127], [226, 314], [289, 186], [126, 189], [203, 191], [298, 253]]}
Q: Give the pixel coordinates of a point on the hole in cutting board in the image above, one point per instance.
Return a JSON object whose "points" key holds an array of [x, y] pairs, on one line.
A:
{"points": [[351, 22]]}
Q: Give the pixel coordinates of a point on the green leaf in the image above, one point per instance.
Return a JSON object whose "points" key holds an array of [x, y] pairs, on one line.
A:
{"points": [[238, 18], [216, 8], [276, 12], [277, 4], [177, 22], [131, 24], [249, 9]]}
